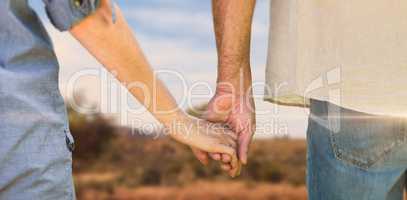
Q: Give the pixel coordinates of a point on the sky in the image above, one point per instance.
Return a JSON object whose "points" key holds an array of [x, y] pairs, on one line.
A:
{"points": [[178, 40]]}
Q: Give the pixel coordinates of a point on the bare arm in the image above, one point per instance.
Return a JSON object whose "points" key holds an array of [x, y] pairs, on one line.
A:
{"points": [[114, 45], [233, 21], [233, 102]]}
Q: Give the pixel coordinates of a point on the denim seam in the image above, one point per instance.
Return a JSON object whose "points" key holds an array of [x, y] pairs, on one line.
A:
{"points": [[350, 159]]}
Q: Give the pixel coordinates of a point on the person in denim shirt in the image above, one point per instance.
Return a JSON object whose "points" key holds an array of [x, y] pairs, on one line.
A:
{"points": [[36, 144]]}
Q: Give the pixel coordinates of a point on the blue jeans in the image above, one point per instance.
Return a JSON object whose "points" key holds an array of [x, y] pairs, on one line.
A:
{"points": [[355, 156]]}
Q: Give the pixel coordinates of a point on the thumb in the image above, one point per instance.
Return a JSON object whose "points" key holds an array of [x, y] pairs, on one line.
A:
{"points": [[217, 110], [244, 143], [214, 117]]}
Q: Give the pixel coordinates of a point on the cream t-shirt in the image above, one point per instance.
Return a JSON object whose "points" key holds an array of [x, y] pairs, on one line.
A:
{"points": [[351, 53]]}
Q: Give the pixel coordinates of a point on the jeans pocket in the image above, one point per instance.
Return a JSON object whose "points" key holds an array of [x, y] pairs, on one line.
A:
{"points": [[362, 140]]}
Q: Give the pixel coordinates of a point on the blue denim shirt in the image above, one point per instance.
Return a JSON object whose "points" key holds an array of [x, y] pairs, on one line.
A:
{"points": [[35, 144]]}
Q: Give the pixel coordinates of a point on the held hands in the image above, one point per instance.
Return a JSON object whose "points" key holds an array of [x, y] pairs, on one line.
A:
{"points": [[237, 112], [225, 134], [205, 137], [115, 46]]}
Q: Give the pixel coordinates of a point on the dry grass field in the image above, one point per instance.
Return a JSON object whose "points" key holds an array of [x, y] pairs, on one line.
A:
{"points": [[228, 190], [116, 163], [146, 169]]}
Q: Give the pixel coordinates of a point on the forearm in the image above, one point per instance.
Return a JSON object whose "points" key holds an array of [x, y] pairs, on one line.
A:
{"points": [[114, 46], [232, 21]]}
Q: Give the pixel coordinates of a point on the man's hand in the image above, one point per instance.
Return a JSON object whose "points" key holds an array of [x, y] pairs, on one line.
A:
{"points": [[238, 112]]}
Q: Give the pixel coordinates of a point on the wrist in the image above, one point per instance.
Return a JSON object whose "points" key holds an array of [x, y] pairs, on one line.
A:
{"points": [[234, 90], [237, 82], [177, 126], [175, 117]]}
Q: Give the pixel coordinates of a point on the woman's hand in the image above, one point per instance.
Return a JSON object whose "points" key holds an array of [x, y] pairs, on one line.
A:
{"points": [[207, 137]]}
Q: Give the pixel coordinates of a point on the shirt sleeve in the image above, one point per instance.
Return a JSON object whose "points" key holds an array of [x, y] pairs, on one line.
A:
{"points": [[63, 14]]}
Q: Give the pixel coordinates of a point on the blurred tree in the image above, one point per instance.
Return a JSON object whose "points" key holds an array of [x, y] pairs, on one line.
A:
{"points": [[92, 133]]}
